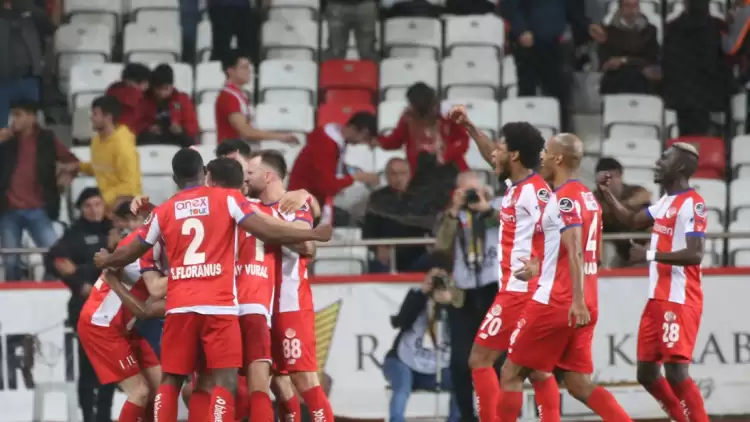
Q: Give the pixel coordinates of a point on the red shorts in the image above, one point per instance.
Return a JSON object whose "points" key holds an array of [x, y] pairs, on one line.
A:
{"points": [[115, 356], [667, 332], [544, 340], [293, 341], [256, 338], [190, 336], [501, 320]]}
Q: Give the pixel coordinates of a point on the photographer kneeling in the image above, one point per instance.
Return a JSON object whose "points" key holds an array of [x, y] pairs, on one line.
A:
{"points": [[420, 354], [468, 235]]}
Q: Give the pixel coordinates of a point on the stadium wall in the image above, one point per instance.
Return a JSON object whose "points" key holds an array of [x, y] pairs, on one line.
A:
{"points": [[354, 334]]}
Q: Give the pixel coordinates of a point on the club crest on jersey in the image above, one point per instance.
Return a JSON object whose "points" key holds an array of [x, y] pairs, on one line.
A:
{"points": [[700, 209], [671, 212], [290, 333], [543, 195], [496, 310], [566, 205], [670, 316], [191, 208]]}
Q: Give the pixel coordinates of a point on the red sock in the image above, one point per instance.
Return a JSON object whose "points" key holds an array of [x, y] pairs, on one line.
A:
{"points": [[289, 411], [318, 404], [511, 403], [198, 406], [148, 416], [604, 404], [662, 392], [261, 407], [547, 399], [487, 388], [222, 405], [131, 412], [692, 400], [165, 403]]}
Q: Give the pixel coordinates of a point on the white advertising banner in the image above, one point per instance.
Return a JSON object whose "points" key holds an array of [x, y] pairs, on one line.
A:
{"points": [[354, 335]]}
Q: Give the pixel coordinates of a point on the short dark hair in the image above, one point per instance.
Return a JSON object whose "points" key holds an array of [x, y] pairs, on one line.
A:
{"points": [[162, 75], [123, 210], [275, 160], [421, 97], [608, 164], [231, 59], [231, 146], [187, 164], [524, 138], [364, 120], [226, 173], [25, 104], [108, 105], [135, 72]]}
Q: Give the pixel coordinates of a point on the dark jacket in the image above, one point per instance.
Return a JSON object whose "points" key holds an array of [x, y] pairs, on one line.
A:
{"points": [[181, 112], [46, 163], [546, 19], [79, 243], [641, 46], [20, 31], [414, 303]]}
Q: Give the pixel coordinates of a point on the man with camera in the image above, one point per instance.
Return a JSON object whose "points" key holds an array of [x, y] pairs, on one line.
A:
{"points": [[467, 234], [421, 352]]}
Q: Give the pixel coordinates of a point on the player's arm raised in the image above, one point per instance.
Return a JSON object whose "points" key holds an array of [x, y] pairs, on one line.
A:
{"points": [[638, 220], [484, 143], [151, 308]]}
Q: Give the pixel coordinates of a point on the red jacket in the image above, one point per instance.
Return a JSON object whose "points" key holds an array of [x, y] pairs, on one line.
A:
{"points": [[319, 167], [455, 139], [181, 111], [131, 103]]}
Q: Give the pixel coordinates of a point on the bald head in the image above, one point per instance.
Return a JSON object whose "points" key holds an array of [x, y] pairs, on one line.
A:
{"points": [[570, 147]]}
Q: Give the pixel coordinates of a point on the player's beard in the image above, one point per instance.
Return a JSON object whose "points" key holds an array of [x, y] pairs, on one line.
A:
{"points": [[253, 193]]}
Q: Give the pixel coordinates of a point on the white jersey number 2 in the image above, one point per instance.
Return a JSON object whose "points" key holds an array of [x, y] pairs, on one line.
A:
{"points": [[194, 227]]}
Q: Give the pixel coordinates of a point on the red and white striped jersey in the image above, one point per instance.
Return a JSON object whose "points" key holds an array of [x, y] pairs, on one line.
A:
{"points": [[293, 292], [529, 226], [104, 308], [676, 217], [578, 208], [256, 271]]}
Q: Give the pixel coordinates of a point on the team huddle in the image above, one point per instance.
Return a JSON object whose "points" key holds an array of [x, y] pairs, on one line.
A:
{"points": [[229, 276]]}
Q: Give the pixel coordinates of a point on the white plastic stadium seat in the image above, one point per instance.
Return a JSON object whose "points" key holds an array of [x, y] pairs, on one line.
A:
{"points": [[412, 35], [360, 156], [107, 20], [139, 5], [401, 73], [183, 76], [208, 152], [154, 157], [741, 156], [485, 30], [81, 43], [152, 43], [82, 130], [312, 6], [739, 200], [282, 78], [92, 78], [389, 113], [293, 117], [636, 152], [484, 113], [159, 17], [670, 124], [633, 115], [739, 111], [288, 14], [158, 188], [112, 8], [542, 112], [290, 152], [206, 118], [714, 192], [204, 41], [510, 77], [481, 76], [292, 40]]}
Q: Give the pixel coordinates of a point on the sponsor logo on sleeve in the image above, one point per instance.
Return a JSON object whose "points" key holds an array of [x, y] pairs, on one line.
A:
{"points": [[700, 209], [566, 205], [543, 195]]}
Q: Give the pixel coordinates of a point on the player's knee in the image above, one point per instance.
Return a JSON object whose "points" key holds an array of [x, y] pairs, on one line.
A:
{"points": [[538, 376], [647, 373], [304, 381], [676, 373], [579, 386], [479, 358], [139, 394], [205, 382], [187, 391], [259, 376], [226, 379]]}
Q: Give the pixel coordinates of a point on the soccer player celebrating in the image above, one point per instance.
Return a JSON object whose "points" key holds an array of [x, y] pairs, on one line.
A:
{"points": [[559, 321], [670, 321], [523, 208], [198, 226]]}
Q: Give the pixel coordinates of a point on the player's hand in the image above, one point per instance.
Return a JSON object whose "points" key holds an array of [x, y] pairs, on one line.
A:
{"points": [[294, 200], [526, 39], [100, 258], [529, 270], [602, 180], [458, 201], [369, 179], [289, 138], [458, 115], [597, 33], [140, 203], [483, 204], [578, 315], [323, 232], [637, 253]]}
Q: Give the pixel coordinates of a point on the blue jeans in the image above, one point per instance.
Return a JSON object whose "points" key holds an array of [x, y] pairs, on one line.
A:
{"points": [[26, 88], [403, 380], [12, 225]]}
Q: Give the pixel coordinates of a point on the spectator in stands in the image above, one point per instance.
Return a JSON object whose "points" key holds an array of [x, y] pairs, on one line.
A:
{"points": [[630, 55], [422, 129], [169, 114], [358, 16], [632, 196], [536, 31], [410, 8], [384, 219], [233, 109], [470, 7], [129, 92], [114, 157], [467, 235], [422, 346], [71, 259], [23, 27], [737, 46], [697, 78], [320, 167], [235, 18], [30, 186]]}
